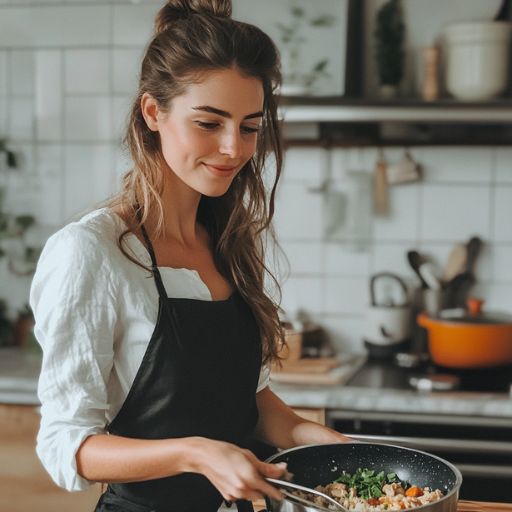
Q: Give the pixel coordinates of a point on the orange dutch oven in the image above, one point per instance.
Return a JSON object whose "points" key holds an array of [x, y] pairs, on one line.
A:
{"points": [[472, 340]]}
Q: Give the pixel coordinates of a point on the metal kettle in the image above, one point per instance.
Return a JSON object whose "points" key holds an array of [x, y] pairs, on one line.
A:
{"points": [[388, 325]]}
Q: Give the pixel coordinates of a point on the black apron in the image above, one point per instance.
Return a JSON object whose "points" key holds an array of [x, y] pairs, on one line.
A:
{"points": [[198, 377]]}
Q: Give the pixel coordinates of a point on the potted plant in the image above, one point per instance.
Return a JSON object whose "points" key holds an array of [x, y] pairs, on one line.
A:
{"points": [[296, 79], [389, 40]]}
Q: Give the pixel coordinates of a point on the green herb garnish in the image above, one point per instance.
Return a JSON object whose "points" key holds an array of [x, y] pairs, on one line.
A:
{"points": [[367, 483]]}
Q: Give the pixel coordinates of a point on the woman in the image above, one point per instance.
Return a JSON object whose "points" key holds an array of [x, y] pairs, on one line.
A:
{"points": [[151, 311]]}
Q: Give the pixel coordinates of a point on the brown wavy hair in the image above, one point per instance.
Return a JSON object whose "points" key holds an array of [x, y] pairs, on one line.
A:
{"points": [[193, 37]]}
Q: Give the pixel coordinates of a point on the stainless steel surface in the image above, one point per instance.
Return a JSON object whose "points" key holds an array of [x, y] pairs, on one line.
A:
{"points": [[480, 447], [457, 445], [283, 485], [437, 382], [325, 113]]}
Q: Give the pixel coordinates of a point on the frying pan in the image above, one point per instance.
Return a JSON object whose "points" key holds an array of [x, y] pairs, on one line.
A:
{"points": [[314, 465]]}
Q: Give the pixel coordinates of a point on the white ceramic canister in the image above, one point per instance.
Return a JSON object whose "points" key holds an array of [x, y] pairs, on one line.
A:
{"points": [[477, 55]]}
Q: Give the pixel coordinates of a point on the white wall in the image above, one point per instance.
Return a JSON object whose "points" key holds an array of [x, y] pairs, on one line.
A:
{"points": [[465, 192], [65, 87]]}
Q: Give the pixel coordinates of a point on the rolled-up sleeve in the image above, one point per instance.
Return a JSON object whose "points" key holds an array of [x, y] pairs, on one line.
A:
{"points": [[73, 300]]}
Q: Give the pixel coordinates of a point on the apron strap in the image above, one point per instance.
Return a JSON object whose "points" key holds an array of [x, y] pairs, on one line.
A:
{"points": [[164, 300], [112, 502], [154, 266]]}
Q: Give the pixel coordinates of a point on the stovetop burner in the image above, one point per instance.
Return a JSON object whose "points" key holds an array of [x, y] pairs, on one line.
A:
{"points": [[387, 374]]}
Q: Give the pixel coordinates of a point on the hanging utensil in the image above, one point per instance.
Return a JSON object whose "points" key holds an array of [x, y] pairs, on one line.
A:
{"points": [[405, 171], [283, 485], [380, 187], [415, 261]]}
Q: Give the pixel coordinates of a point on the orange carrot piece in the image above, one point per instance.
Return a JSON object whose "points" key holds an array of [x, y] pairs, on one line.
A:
{"points": [[414, 492]]}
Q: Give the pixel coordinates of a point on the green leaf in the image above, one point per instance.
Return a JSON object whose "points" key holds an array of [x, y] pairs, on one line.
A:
{"points": [[322, 21]]}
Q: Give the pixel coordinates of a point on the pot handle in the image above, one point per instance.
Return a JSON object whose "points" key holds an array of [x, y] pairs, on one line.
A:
{"points": [[392, 276], [423, 320]]}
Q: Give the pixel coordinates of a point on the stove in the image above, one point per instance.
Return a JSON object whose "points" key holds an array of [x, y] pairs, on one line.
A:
{"points": [[429, 377], [480, 446]]}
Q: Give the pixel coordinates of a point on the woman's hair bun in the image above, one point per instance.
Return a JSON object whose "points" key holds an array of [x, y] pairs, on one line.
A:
{"points": [[175, 10]]}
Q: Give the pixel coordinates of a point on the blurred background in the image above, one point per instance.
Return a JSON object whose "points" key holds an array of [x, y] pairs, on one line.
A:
{"points": [[396, 196]]}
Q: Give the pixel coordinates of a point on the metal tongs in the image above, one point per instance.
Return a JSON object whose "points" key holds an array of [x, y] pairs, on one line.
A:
{"points": [[283, 484]]}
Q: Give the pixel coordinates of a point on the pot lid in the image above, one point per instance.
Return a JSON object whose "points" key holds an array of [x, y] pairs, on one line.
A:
{"points": [[474, 314]]}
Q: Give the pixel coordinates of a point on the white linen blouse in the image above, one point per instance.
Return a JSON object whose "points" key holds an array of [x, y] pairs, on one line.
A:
{"points": [[95, 312]]}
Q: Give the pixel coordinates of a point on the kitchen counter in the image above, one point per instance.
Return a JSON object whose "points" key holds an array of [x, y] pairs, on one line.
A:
{"points": [[463, 506], [392, 400], [19, 370]]}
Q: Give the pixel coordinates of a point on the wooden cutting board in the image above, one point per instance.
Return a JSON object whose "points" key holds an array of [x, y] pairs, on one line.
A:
{"points": [[482, 506], [321, 371], [308, 365]]}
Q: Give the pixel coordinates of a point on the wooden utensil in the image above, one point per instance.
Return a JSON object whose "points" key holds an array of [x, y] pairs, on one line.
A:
{"points": [[456, 262], [481, 506], [380, 188]]}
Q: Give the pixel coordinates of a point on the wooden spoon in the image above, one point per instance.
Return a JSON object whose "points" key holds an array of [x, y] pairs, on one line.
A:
{"points": [[456, 262]]}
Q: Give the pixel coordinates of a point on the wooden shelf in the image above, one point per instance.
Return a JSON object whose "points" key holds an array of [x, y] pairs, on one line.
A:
{"points": [[340, 109], [342, 122]]}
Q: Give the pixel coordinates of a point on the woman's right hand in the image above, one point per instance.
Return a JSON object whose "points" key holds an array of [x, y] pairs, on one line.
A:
{"points": [[236, 472]]}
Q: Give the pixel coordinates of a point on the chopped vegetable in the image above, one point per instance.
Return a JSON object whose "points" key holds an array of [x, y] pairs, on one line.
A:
{"points": [[367, 483], [414, 492]]}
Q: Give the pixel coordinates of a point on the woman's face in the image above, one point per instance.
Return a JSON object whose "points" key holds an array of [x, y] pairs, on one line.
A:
{"points": [[210, 131]]}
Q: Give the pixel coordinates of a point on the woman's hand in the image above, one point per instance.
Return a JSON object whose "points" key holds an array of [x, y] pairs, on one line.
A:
{"points": [[235, 472]]}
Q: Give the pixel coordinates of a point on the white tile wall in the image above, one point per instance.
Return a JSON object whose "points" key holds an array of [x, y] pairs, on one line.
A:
{"points": [[503, 165], [21, 119], [121, 106], [71, 26], [49, 95], [66, 84], [343, 259], [346, 295], [403, 220], [133, 24], [429, 216], [87, 71], [303, 293], [454, 212], [88, 119], [456, 164], [88, 174], [22, 72], [293, 219], [16, 26], [501, 263], [503, 214], [304, 258], [126, 69], [49, 159]]}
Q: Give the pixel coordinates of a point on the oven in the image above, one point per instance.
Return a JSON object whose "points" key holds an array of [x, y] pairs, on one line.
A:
{"points": [[480, 446]]}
